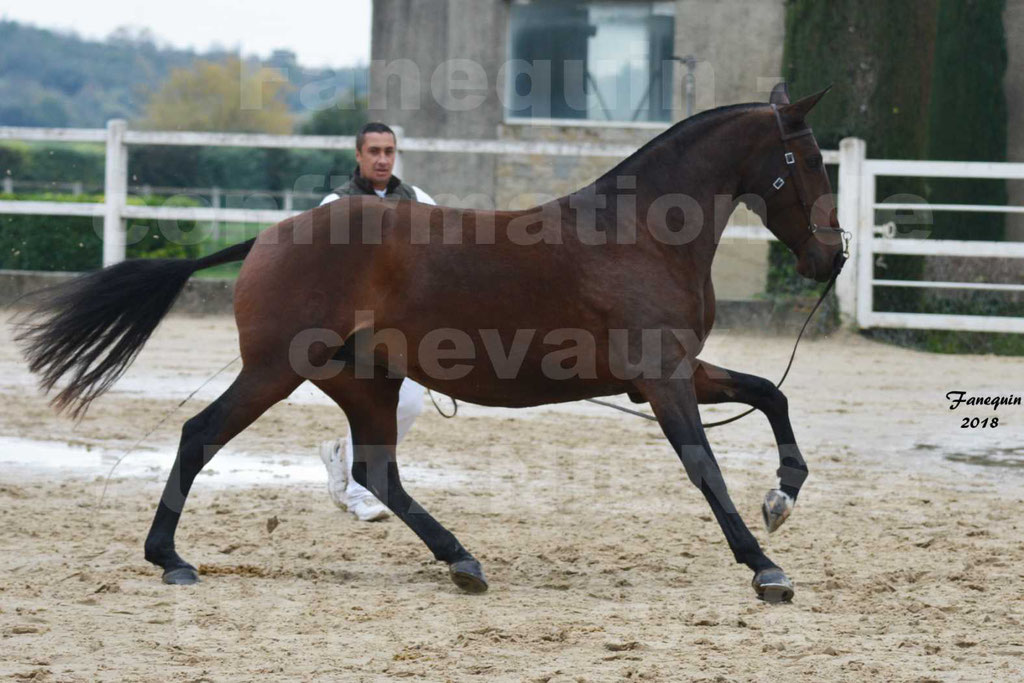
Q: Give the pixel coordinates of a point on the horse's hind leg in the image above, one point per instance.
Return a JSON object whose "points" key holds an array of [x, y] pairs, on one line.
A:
{"points": [[248, 397], [370, 405], [718, 385]]}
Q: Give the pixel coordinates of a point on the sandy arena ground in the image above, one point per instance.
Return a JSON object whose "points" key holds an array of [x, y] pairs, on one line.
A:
{"points": [[604, 562]]}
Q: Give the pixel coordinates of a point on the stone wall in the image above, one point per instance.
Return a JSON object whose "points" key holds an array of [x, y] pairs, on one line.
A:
{"points": [[418, 82], [738, 48], [201, 296], [525, 180]]}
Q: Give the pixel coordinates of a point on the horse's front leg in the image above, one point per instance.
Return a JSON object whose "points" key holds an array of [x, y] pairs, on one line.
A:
{"points": [[718, 385], [674, 402]]}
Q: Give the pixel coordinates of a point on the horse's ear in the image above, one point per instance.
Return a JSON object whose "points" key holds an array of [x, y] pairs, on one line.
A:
{"points": [[799, 109], [780, 94]]}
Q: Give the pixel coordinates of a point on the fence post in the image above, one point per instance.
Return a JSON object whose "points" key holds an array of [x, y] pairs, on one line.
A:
{"points": [[115, 193], [865, 238], [398, 169], [851, 163], [8, 185], [215, 224]]}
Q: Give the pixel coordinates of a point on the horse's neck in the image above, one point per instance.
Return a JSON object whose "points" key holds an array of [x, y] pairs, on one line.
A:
{"points": [[702, 166]]}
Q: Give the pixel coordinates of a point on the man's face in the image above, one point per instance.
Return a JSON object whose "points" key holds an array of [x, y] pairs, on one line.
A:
{"points": [[376, 159]]}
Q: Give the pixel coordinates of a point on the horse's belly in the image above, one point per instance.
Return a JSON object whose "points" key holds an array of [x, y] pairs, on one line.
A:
{"points": [[522, 368], [521, 392]]}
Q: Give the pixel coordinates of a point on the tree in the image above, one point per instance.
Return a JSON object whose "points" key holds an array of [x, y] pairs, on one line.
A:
{"points": [[967, 121], [337, 120], [878, 57], [221, 96], [50, 78]]}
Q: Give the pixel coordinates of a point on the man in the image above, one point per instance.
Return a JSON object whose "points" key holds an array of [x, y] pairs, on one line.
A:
{"points": [[376, 146]]}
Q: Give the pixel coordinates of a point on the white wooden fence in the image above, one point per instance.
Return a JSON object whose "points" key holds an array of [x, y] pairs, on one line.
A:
{"points": [[872, 239], [856, 205], [118, 138]]}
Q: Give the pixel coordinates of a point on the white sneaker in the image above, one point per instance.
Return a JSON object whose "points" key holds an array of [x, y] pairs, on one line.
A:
{"points": [[337, 478], [367, 509]]}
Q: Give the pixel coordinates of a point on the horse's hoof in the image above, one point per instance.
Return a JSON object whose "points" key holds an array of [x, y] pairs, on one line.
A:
{"points": [[468, 575], [182, 576], [776, 508], [772, 585]]}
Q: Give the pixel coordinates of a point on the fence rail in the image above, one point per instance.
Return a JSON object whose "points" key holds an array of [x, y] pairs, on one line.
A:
{"points": [[957, 323], [117, 138], [944, 169], [857, 206], [115, 208], [918, 247], [37, 208], [869, 244]]}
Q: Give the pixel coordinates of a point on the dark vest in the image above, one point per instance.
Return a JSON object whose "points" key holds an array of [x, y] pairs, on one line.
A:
{"points": [[396, 189]]}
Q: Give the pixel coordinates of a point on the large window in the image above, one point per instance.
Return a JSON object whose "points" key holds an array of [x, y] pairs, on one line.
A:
{"points": [[603, 61]]}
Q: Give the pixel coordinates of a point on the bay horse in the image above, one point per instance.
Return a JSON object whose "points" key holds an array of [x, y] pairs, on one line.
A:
{"points": [[619, 270]]}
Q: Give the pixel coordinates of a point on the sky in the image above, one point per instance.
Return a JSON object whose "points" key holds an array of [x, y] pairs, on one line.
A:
{"points": [[321, 33]]}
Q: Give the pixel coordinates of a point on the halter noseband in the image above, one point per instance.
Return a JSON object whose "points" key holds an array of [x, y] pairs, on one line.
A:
{"points": [[780, 182]]}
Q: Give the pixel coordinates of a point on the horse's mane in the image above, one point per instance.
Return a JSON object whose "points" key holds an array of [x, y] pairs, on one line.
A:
{"points": [[683, 131]]}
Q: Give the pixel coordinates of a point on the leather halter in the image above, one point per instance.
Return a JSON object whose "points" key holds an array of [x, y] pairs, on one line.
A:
{"points": [[790, 158]]}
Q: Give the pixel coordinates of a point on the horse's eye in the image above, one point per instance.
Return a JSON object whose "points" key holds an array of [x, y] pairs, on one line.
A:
{"points": [[813, 162]]}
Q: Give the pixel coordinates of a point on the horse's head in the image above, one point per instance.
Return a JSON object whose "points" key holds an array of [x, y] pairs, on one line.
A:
{"points": [[788, 174]]}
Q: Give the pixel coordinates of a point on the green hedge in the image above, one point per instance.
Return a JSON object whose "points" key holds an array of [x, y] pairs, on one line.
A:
{"points": [[238, 168], [50, 242], [70, 243], [44, 162]]}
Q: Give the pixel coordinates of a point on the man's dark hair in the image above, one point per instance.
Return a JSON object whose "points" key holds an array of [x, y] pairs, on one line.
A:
{"points": [[373, 127]]}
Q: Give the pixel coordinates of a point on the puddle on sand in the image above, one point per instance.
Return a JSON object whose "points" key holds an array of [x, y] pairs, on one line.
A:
{"points": [[226, 469], [990, 456]]}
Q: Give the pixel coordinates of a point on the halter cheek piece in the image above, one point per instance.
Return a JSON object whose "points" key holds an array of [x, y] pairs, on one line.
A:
{"points": [[780, 182]]}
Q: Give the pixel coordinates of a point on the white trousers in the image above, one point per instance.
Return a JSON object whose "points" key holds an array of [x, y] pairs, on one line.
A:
{"points": [[410, 405]]}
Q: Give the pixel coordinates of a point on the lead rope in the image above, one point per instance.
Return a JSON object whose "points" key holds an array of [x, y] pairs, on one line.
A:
{"points": [[785, 374], [455, 404], [106, 482]]}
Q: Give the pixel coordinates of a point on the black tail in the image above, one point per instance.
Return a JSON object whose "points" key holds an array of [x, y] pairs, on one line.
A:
{"points": [[90, 329]]}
